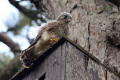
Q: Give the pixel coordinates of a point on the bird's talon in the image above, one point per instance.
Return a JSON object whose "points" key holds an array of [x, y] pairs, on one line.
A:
{"points": [[53, 40]]}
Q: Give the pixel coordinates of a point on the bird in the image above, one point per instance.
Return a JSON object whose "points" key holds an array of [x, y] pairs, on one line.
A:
{"points": [[47, 35]]}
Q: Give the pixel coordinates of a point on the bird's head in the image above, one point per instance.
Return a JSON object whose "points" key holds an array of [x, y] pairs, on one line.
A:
{"points": [[67, 17]]}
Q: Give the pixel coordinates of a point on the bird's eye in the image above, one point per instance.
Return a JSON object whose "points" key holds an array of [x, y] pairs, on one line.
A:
{"points": [[65, 16]]}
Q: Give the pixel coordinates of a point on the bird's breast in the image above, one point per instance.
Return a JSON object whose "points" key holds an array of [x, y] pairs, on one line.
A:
{"points": [[45, 42]]}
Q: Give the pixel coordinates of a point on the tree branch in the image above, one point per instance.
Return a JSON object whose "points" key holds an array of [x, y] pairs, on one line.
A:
{"points": [[32, 14], [39, 5], [13, 46]]}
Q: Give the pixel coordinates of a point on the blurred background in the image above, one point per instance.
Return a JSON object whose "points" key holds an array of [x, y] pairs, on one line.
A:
{"points": [[19, 23]]}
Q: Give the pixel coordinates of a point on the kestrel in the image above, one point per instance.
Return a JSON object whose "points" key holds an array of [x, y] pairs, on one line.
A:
{"points": [[48, 34]]}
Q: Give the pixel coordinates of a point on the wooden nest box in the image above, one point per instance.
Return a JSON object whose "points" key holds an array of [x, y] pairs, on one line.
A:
{"points": [[65, 60]]}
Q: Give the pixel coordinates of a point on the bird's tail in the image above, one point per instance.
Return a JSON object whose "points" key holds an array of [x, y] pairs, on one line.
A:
{"points": [[27, 57]]}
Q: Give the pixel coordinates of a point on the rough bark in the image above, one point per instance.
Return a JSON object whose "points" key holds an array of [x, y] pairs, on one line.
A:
{"points": [[92, 21]]}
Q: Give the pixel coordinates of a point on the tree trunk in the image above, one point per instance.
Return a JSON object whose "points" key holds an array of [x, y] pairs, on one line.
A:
{"points": [[93, 21]]}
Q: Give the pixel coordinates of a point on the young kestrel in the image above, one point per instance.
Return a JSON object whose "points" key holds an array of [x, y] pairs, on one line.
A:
{"points": [[49, 34]]}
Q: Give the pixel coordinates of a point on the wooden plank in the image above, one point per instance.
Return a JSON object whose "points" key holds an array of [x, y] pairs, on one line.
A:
{"points": [[53, 66]]}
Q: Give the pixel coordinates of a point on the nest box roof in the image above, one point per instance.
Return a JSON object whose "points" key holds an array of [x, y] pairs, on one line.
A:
{"points": [[24, 71]]}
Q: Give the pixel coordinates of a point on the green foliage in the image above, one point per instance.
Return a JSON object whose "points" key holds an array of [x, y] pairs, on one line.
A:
{"points": [[4, 60]]}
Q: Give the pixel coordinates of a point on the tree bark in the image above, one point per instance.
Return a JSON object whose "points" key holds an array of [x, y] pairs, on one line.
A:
{"points": [[12, 45], [93, 21]]}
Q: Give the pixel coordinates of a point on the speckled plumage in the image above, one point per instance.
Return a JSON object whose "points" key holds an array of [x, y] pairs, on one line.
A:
{"points": [[49, 34]]}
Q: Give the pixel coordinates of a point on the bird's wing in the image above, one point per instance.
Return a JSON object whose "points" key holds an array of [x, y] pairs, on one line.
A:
{"points": [[46, 27], [31, 47], [37, 38], [25, 53]]}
